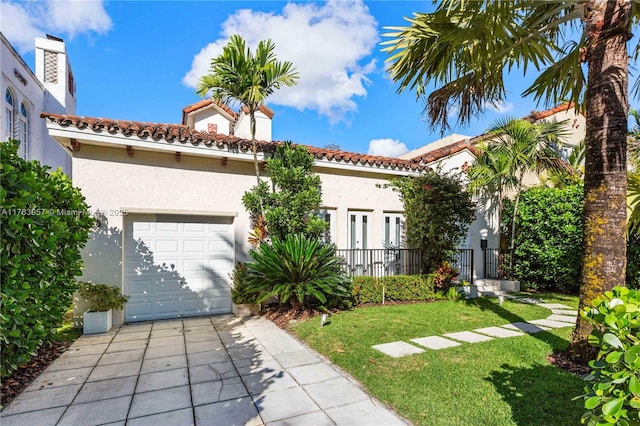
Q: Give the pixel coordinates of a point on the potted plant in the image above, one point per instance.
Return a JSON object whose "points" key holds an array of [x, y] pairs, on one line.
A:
{"points": [[102, 299], [471, 290]]}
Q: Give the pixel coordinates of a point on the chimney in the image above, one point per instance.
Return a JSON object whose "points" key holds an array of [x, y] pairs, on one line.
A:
{"points": [[54, 72]]}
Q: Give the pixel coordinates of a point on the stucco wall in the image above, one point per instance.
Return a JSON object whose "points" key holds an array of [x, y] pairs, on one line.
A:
{"points": [[207, 116]]}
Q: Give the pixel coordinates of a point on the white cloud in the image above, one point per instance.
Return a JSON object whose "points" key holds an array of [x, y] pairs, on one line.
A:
{"points": [[387, 147], [328, 44], [501, 107], [21, 22]]}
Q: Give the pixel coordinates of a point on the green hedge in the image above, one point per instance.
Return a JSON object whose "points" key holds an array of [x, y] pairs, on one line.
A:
{"points": [[45, 222], [396, 288]]}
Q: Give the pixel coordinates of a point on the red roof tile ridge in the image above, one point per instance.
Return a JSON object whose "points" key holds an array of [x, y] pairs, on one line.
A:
{"points": [[265, 110], [205, 103], [181, 133]]}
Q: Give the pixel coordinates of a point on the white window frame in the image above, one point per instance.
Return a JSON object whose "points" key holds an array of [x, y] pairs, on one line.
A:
{"points": [[328, 214], [359, 226], [393, 231], [23, 130], [9, 112]]}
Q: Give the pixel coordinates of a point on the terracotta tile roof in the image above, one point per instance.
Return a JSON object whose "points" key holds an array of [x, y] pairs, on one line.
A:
{"points": [[203, 104], [265, 110], [180, 133], [471, 144]]}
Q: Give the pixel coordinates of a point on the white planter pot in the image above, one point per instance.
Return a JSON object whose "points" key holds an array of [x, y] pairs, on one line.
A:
{"points": [[96, 322], [470, 290]]}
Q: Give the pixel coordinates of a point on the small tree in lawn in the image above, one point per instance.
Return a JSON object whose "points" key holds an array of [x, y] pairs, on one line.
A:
{"points": [[292, 199], [438, 212]]}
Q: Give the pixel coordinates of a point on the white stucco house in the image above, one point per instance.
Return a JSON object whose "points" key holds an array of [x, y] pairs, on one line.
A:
{"points": [[27, 94], [168, 196]]}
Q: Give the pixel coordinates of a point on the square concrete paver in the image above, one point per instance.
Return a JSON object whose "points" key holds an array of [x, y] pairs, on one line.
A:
{"points": [[562, 318], [153, 365], [127, 337], [435, 342], [54, 378], [97, 413], [567, 312], [162, 380], [336, 392], [364, 413], [296, 359], [554, 306], [164, 351], [525, 326], [262, 383], [71, 362], [212, 372], [121, 357], [178, 417], [48, 417], [240, 411], [284, 403], [113, 371], [550, 324], [135, 328], [209, 357], [166, 341], [313, 373], [221, 390], [317, 418], [468, 337], [498, 332], [397, 349], [160, 401], [41, 399], [105, 389]]}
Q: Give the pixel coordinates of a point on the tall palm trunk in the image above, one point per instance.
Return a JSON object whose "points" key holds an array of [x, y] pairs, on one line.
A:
{"points": [[254, 149], [605, 181], [513, 224]]}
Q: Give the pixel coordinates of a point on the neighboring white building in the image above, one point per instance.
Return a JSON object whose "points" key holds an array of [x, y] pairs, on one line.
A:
{"points": [[27, 95]]}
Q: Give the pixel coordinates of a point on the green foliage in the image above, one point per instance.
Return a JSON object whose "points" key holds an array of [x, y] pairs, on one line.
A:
{"points": [[438, 212], [398, 288], [102, 297], [239, 291], [549, 238], [300, 271], [443, 276], [633, 261], [44, 225], [453, 294], [613, 390], [291, 203]]}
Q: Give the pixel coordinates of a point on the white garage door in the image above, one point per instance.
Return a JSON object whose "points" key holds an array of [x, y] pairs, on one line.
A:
{"points": [[177, 266]]}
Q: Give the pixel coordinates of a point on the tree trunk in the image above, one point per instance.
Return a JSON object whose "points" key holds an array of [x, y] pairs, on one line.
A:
{"points": [[605, 180], [513, 225], [254, 143]]}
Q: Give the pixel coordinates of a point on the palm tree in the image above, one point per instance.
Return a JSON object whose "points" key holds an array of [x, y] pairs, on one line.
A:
{"points": [[247, 77], [573, 174], [517, 147], [465, 48]]}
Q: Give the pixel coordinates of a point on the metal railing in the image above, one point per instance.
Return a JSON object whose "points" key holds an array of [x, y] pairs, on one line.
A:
{"points": [[381, 262], [497, 263], [463, 262]]}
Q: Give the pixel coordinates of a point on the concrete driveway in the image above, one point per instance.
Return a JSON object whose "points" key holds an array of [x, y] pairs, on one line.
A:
{"points": [[217, 370]]}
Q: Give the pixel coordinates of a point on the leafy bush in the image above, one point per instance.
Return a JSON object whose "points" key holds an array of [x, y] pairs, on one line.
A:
{"points": [[102, 297], [396, 288], [613, 390], [239, 293], [299, 271], [438, 211], [443, 276], [290, 200], [549, 238], [44, 226]]}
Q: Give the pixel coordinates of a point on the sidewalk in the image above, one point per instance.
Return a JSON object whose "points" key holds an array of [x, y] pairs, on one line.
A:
{"points": [[207, 371]]}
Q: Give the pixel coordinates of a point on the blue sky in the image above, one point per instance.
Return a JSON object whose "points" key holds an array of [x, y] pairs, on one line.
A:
{"points": [[139, 60]]}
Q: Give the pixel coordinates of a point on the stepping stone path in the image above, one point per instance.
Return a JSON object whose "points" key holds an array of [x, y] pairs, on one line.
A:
{"points": [[561, 316]]}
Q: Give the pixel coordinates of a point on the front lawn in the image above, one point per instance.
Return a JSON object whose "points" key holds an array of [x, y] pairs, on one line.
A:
{"points": [[499, 382]]}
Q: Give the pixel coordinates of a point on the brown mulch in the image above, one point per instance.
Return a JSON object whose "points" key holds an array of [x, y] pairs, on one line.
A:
{"points": [[282, 318], [18, 381], [562, 360]]}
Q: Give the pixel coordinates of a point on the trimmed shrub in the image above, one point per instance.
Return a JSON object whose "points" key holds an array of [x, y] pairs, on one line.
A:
{"points": [[301, 272], [398, 288], [102, 297], [612, 395], [549, 238], [45, 223]]}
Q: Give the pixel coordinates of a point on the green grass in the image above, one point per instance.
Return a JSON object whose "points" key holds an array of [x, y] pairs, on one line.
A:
{"points": [[571, 301], [499, 382], [66, 332]]}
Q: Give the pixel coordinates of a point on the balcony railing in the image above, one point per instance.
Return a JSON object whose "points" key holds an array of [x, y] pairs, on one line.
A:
{"points": [[380, 262], [463, 262]]}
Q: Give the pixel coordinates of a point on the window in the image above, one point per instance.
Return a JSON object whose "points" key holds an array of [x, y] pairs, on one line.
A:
{"points": [[329, 216], [359, 224], [8, 114], [24, 131], [393, 230]]}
